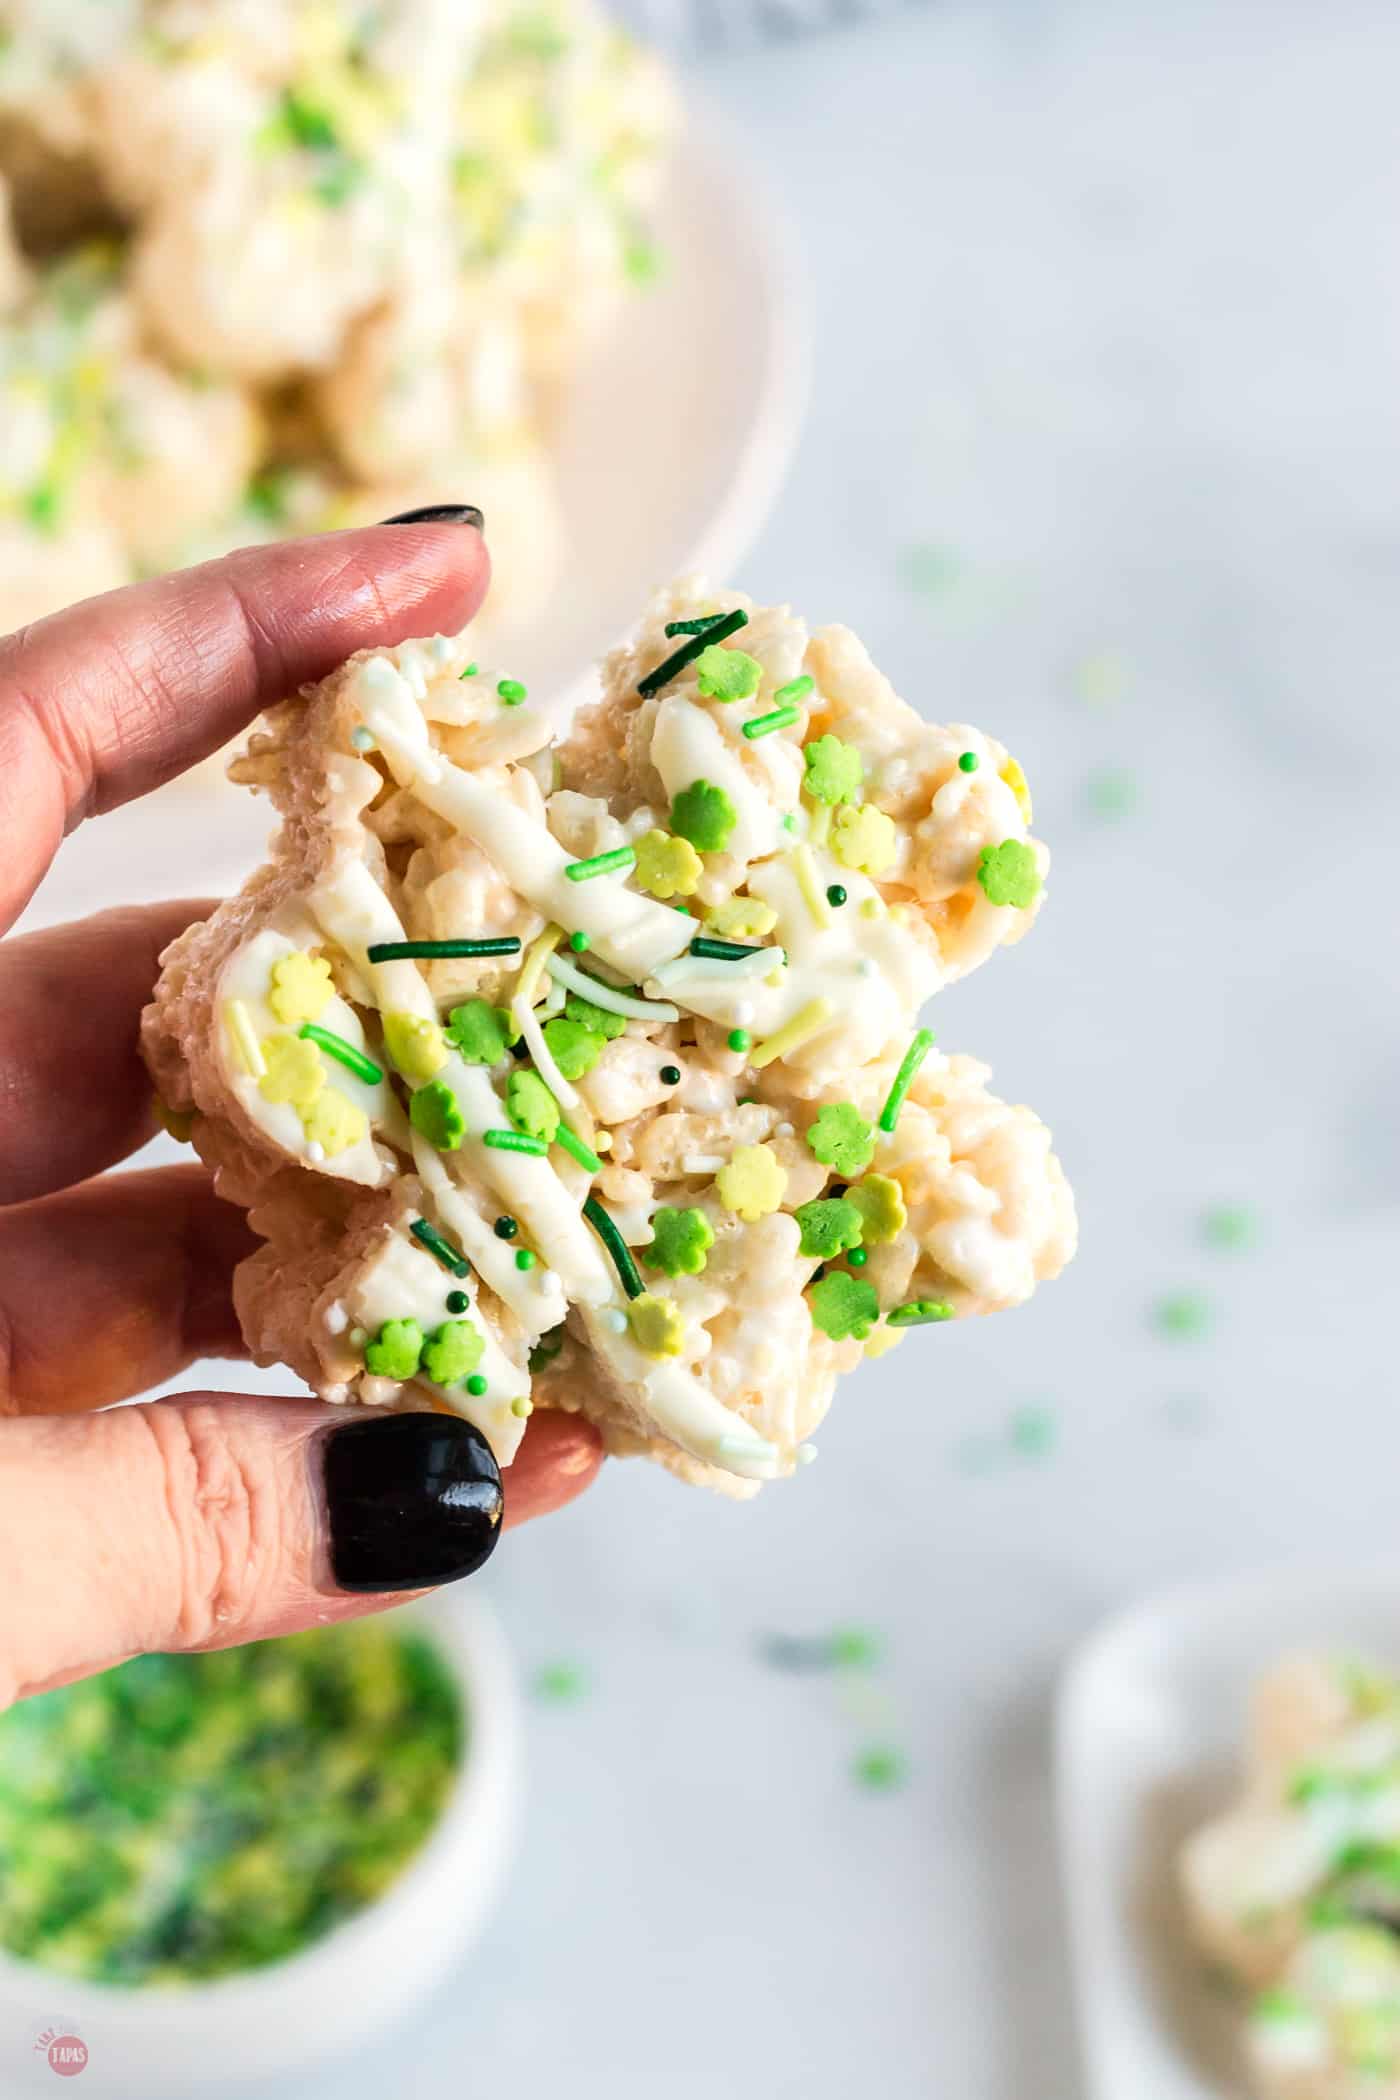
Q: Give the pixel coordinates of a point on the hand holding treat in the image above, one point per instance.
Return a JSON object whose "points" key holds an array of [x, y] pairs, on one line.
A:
{"points": [[205, 1520]]}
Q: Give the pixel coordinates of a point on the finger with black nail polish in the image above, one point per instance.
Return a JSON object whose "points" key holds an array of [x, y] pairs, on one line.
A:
{"points": [[439, 514], [411, 1501]]}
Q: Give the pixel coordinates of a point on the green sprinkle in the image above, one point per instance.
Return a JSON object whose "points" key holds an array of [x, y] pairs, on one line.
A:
{"points": [[505, 1228], [481, 1032], [829, 1225], [693, 646], [453, 1351], [704, 814], [854, 1648], [680, 1241], [524, 1259], [727, 674], [776, 718], [470, 671], [834, 771], [600, 864], [514, 1141], [344, 1053], [430, 951], [835, 894], [841, 1138], [476, 1385], [574, 1048], [858, 1257], [904, 1078], [881, 1768], [458, 1302], [561, 1683], [1185, 1316], [1229, 1227], [530, 1105], [511, 691], [616, 1245], [739, 1039], [969, 762], [395, 1350], [1008, 874], [919, 1312], [576, 1149], [452, 1259], [844, 1306], [670, 1075], [795, 689], [702, 625], [436, 1111], [721, 951], [579, 941]]}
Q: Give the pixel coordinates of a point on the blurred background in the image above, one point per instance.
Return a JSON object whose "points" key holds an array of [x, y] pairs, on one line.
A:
{"points": [[1100, 310]]}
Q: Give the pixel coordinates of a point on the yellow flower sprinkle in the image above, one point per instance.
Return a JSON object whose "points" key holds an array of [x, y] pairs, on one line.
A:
{"points": [[667, 866], [864, 837], [882, 1339], [804, 868], [245, 1041], [416, 1045], [740, 918], [333, 1122], [1016, 780], [656, 1324], [301, 986], [292, 1071], [752, 1183], [808, 1021]]}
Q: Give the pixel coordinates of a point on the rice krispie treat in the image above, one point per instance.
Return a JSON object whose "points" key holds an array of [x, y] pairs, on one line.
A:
{"points": [[590, 1076], [1296, 1891]]}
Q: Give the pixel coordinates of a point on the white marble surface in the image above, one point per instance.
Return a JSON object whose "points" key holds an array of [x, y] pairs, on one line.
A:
{"points": [[1105, 303]]}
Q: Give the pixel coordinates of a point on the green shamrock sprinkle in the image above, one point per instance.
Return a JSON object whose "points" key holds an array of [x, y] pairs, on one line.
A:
{"points": [[844, 1305], [1008, 874], [599, 1020], [680, 1240], [705, 815], [512, 692], [880, 1201], [530, 1105], [483, 1033], [574, 1048], [834, 770], [830, 1224], [453, 1351], [727, 674], [841, 1138], [919, 1312], [395, 1350], [435, 1111]]}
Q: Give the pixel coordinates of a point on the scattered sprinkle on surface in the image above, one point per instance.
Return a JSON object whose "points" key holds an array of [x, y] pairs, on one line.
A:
{"points": [[1112, 792], [1228, 1227], [560, 1683], [1183, 1316], [879, 1768]]}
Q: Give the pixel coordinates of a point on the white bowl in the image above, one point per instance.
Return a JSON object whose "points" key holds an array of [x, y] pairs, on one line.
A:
{"points": [[347, 1986], [1150, 1733]]}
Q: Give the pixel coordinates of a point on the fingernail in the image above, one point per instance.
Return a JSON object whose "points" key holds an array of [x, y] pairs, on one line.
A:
{"points": [[411, 1501], [439, 514]]}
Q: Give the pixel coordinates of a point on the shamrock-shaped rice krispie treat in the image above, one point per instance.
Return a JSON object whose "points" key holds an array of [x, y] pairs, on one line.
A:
{"points": [[591, 1075]]}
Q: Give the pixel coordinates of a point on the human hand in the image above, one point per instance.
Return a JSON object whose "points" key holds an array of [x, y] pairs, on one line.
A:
{"points": [[205, 1520]]}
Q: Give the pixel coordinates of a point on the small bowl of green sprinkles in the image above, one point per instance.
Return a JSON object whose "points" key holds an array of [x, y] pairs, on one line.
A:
{"points": [[224, 1866]]}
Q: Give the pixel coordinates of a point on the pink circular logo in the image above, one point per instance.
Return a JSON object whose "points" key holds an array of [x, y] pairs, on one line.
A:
{"points": [[67, 2055]]}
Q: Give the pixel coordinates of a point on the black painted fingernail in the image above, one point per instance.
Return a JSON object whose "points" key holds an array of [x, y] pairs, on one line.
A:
{"points": [[439, 514], [412, 1500]]}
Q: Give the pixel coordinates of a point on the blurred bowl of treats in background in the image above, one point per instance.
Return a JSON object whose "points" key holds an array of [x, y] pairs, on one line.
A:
{"points": [[270, 267]]}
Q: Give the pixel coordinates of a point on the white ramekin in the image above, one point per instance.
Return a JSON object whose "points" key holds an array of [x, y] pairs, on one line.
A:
{"points": [[348, 1985]]}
